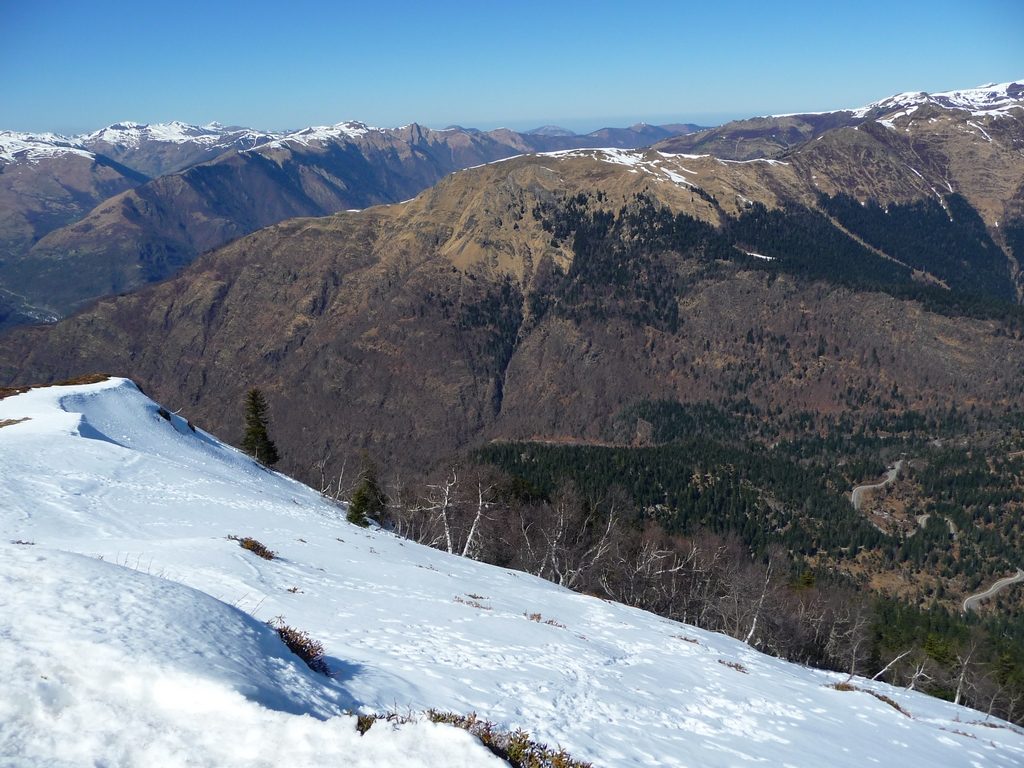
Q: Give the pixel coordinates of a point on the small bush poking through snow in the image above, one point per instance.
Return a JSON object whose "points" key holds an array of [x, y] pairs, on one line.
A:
{"points": [[515, 747], [471, 603], [302, 645], [847, 686], [364, 723], [254, 546]]}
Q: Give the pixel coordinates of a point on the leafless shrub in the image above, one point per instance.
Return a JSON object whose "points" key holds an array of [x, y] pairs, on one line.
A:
{"points": [[515, 747], [472, 603], [846, 685], [302, 645], [686, 639], [254, 546]]}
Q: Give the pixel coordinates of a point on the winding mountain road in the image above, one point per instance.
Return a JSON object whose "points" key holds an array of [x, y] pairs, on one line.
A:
{"points": [[971, 603], [857, 496]]}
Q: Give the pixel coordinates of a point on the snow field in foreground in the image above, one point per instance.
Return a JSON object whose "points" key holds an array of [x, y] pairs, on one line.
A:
{"points": [[104, 665], [95, 470]]}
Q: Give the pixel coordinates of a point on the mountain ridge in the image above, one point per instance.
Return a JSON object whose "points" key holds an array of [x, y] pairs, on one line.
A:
{"points": [[232, 185], [370, 292], [227, 190]]}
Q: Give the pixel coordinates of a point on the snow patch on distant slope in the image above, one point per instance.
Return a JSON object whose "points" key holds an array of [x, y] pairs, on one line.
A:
{"points": [[130, 135], [324, 134], [995, 100], [656, 164], [888, 121], [660, 165], [32, 147], [989, 100]]}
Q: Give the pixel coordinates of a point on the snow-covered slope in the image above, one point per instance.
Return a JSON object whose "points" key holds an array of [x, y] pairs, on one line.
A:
{"points": [[987, 100], [129, 135], [132, 135], [992, 100], [105, 665], [118, 662], [32, 147], [324, 134]]}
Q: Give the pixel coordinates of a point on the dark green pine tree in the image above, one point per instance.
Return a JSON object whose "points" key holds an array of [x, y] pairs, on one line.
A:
{"points": [[257, 442], [368, 499]]}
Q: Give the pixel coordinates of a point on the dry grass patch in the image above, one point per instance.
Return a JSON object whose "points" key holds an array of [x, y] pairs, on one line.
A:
{"points": [[88, 378], [254, 546], [734, 665], [1002, 726], [847, 686], [302, 645], [514, 747], [10, 422], [473, 602], [11, 391]]}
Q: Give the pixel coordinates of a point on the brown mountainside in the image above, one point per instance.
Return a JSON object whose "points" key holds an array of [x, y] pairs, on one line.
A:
{"points": [[476, 312], [757, 136], [150, 232], [44, 194]]}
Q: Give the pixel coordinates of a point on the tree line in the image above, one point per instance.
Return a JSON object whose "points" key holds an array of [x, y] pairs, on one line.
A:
{"points": [[599, 544]]}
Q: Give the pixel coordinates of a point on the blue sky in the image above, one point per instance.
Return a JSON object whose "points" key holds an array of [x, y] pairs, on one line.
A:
{"points": [[71, 66]]}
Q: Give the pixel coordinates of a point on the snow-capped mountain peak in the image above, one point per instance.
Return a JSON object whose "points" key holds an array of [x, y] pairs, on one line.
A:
{"points": [[131, 135], [324, 134], [30, 147], [986, 100]]}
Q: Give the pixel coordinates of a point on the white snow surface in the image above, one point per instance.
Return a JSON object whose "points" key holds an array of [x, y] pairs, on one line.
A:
{"points": [[105, 665], [132, 135], [995, 100], [157, 655], [129, 134], [660, 165], [986, 100], [33, 147], [324, 134]]}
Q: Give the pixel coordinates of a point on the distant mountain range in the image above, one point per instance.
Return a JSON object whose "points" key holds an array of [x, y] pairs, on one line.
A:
{"points": [[770, 136], [131, 204], [189, 188], [537, 296]]}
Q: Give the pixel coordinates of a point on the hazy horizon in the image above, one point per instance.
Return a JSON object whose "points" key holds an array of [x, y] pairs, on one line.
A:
{"points": [[76, 67]]}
